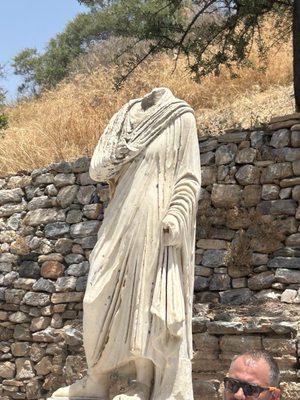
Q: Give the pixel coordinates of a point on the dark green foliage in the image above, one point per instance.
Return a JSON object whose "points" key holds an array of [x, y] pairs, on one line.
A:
{"points": [[3, 117], [3, 122], [44, 71], [2, 91]]}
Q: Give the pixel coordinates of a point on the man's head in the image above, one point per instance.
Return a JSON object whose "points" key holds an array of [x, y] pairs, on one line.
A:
{"points": [[249, 374]]}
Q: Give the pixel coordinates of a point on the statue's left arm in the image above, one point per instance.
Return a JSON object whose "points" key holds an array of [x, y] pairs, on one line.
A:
{"points": [[187, 184]]}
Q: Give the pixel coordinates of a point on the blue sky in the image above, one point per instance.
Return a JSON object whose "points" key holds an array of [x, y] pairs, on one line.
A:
{"points": [[30, 23]]}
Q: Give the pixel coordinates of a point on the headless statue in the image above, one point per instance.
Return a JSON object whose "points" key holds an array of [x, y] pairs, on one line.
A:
{"points": [[138, 301]]}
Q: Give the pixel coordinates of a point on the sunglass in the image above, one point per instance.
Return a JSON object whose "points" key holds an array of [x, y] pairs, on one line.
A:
{"points": [[234, 385]]}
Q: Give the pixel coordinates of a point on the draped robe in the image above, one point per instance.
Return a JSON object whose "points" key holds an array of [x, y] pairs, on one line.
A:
{"points": [[138, 300]]}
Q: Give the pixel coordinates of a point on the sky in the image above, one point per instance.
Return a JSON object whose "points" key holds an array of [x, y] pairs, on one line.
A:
{"points": [[30, 23]]}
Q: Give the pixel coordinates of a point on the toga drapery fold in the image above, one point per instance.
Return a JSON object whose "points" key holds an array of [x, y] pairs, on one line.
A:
{"points": [[138, 301]]}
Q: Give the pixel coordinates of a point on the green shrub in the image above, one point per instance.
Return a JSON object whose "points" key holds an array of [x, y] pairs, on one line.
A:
{"points": [[3, 121]]}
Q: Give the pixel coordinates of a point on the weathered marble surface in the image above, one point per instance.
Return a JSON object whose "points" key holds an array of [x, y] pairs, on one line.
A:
{"points": [[138, 299]]}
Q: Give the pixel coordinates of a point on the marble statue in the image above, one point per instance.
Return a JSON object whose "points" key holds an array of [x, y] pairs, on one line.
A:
{"points": [[138, 300]]}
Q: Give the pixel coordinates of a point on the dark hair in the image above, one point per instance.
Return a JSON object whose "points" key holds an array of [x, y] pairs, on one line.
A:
{"points": [[261, 354]]}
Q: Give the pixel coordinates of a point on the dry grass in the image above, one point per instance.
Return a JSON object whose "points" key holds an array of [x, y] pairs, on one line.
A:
{"points": [[65, 123]]}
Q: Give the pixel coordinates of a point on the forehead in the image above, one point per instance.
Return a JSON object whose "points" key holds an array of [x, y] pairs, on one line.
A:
{"points": [[251, 371]]}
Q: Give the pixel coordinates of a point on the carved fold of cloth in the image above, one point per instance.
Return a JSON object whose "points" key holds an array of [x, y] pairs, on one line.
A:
{"points": [[138, 300]]}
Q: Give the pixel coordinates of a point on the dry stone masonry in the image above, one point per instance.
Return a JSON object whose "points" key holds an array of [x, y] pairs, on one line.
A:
{"points": [[247, 273]]}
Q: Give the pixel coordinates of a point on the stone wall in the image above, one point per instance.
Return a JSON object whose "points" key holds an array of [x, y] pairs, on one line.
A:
{"points": [[247, 262]]}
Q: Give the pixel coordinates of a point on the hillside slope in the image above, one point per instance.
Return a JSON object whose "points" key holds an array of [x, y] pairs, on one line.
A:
{"points": [[66, 123]]}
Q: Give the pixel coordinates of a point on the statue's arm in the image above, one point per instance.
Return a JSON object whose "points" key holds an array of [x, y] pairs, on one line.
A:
{"points": [[187, 186]]}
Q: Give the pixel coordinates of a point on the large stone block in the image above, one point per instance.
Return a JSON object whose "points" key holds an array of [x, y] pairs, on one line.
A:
{"points": [[11, 196], [66, 195], [52, 269], [226, 196], [237, 344], [208, 175], [248, 175], [219, 282], [86, 228], [41, 202], [67, 297], [234, 137], [44, 216], [246, 156], [277, 207], [288, 275], [36, 299], [251, 195], [7, 370], [225, 154], [285, 262], [236, 296], [214, 258], [208, 145], [280, 138], [261, 281], [9, 209], [206, 390], [276, 171], [63, 179], [56, 229]]}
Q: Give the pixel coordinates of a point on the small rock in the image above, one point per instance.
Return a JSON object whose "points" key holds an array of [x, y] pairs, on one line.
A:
{"points": [[24, 368], [39, 323], [44, 367], [78, 269], [56, 229], [74, 216], [92, 211], [51, 190], [270, 192], [74, 258], [287, 276], [86, 228], [248, 174], [236, 296], [246, 156], [67, 297], [85, 194], [36, 299], [214, 258], [19, 317], [63, 245], [44, 285], [261, 281], [65, 284], [67, 195], [219, 282], [289, 296], [257, 139], [29, 269], [11, 196], [43, 216], [20, 349], [52, 269], [276, 171], [40, 202], [43, 179], [225, 195], [7, 370], [81, 165], [280, 138], [225, 154], [62, 179]]}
